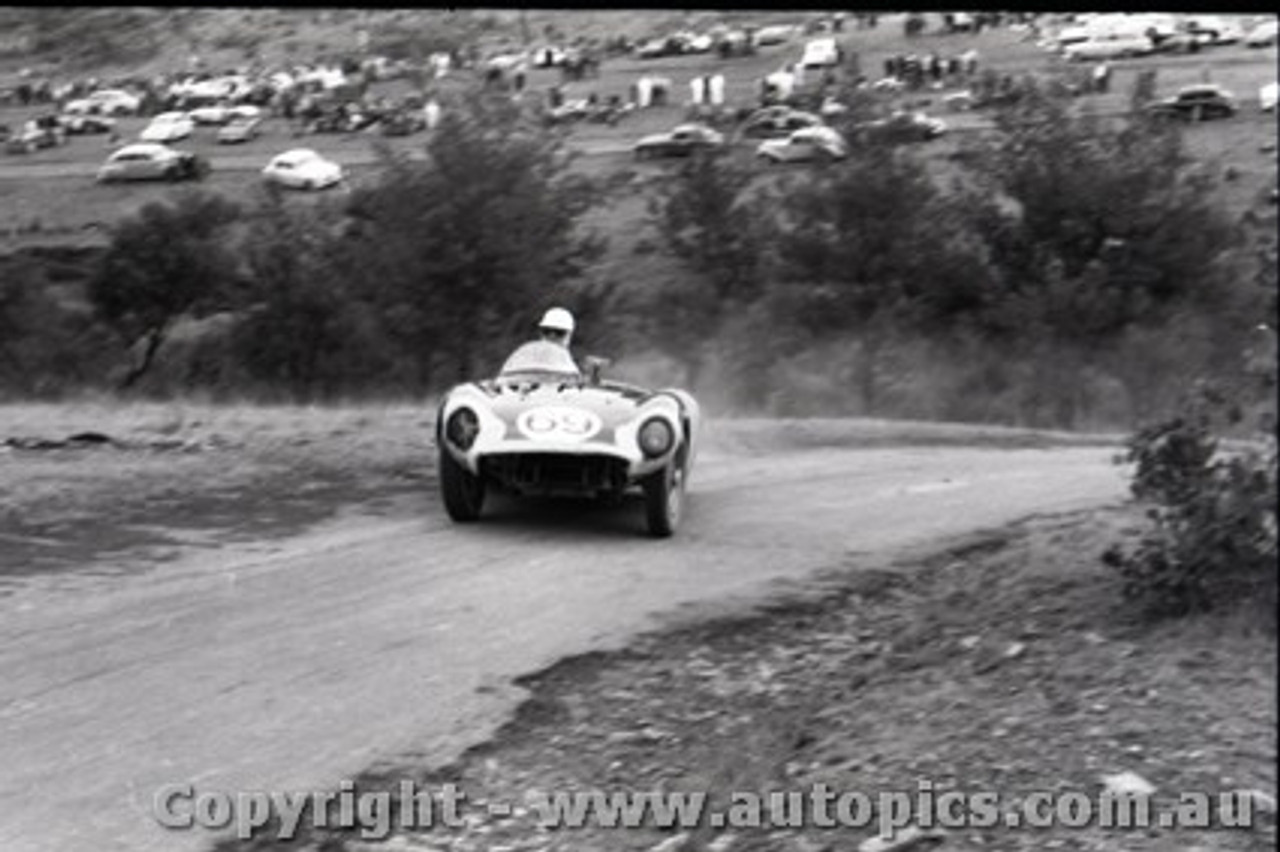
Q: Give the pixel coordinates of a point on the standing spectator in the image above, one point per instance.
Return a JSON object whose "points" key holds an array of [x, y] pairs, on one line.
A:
{"points": [[698, 91], [715, 90], [1102, 78]]}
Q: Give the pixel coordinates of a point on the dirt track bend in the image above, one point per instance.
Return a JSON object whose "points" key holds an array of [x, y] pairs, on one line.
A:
{"points": [[293, 664]]}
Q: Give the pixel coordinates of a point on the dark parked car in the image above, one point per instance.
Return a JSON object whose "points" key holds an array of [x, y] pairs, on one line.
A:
{"points": [[902, 127], [1196, 103], [680, 142], [45, 131], [402, 123], [85, 124], [777, 122]]}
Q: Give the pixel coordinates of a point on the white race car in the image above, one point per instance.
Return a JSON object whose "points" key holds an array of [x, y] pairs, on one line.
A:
{"points": [[542, 428]]}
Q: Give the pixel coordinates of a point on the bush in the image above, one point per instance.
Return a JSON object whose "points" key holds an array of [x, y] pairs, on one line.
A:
{"points": [[1212, 544]]}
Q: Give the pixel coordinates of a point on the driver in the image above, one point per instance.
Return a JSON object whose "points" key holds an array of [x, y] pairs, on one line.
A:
{"points": [[550, 353], [556, 326]]}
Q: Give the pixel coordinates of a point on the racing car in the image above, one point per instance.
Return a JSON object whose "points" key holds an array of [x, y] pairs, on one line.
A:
{"points": [[541, 428]]}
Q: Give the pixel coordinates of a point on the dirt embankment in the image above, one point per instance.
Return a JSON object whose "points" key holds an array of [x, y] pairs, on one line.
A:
{"points": [[1006, 663]]}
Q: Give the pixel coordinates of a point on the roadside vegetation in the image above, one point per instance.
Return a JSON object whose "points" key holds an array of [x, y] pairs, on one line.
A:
{"points": [[1068, 271]]}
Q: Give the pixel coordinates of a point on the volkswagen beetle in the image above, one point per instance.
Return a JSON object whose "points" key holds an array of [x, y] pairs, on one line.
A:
{"points": [[541, 428]]}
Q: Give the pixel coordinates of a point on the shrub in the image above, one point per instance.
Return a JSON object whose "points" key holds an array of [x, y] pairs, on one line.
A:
{"points": [[1212, 543]]}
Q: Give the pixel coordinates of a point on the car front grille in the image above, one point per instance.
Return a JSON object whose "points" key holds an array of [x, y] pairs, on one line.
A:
{"points": [[556, 473]]}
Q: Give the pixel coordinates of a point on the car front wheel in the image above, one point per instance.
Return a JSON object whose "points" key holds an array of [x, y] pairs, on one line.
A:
{"points": [[664, 500], [462, 490]]}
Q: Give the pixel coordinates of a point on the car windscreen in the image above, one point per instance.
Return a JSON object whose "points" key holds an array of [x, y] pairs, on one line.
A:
{"points": [[540, 357]]}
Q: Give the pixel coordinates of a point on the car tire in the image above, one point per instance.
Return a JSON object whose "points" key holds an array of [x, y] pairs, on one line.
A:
{"points": [[462, 490], [664, 499]]}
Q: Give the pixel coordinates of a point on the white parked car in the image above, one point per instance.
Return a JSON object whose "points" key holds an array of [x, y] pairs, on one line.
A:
{"points": [[105, 102], [167, 127], [821, 53], [777, 34], [820, 143], [1267, 96], [1264, 34], [302, 168], [1112, 47], [151, 161], [222, 113]]}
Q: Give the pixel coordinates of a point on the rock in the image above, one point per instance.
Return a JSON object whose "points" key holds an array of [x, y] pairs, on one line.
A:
{"points": [[1263, 802], [968, 643], [804, 844], [723, 843], [648, 734], [674, 843], [1014, 650], [1128, 784], [911, 837]]}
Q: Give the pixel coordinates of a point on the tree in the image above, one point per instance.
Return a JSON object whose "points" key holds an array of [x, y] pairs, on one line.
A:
{"points": [[165, 261], [708, 219], [303, 328], [1081, 193], [1094, 228], [871, 245], [463, 248]]}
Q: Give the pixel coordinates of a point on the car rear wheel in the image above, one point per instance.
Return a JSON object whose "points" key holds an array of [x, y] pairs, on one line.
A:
{"points": [[664, 499], [462, 490]]}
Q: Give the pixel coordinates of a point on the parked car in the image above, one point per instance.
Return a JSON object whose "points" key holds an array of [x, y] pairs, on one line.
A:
{"points": [[778, 34], [1196, 103], [1267, 96], [240, 129], [1110, 47], [152, 161], [656, 48], [821, 53], [221, 113], [302, 168], [901, 127], [402, 123], [110, 102], [1214, 29], [777, 122], [1264, 34], [44, 131], [811, 144], [682, 141], [167, 127], [85, 124]]}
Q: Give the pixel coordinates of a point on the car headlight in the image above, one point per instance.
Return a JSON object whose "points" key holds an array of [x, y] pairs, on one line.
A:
{"points": [[462, 428], [655, 437]]}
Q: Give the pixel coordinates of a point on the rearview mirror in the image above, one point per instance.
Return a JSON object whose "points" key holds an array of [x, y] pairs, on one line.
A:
{"points": [[593, 365]]}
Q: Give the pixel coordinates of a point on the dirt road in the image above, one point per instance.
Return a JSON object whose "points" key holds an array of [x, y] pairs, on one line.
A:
{"points": [[293, 664]]}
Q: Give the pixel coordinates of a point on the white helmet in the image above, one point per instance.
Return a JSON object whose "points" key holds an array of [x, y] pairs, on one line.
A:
{"points": [[557, 319]]}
